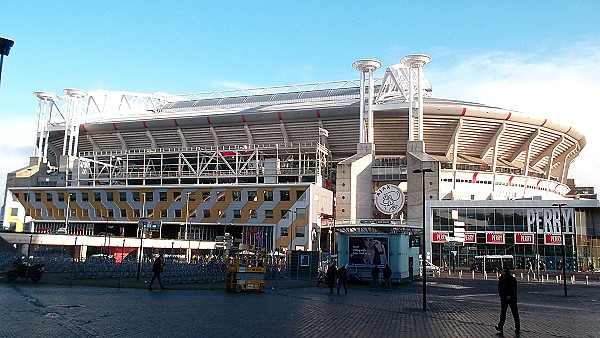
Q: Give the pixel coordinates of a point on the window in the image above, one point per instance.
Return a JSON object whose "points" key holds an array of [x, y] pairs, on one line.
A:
{"points": [[300, 195], [284, 231], [84, 197], [162, 196], [237, 214], [284, 195], [268, 213], [14, 212], [61, 196], [136, 196], [300, 213], [191, 196], [206, 213], [122, 196], [285, 213], [123, 212], [111, 213], [97, 197], [109, 197], [48, 197], [299, 231], [72, 197], [38, 197], [176, 195], [253, 213], [50, 212], [149, 196], [163, 213], [177, 213], [236, 195], [61, 213], [268, 195], [98, 212], [149, 212], [85, 213], [220, 196], [222, 213], [252, 196], [205, 196]]}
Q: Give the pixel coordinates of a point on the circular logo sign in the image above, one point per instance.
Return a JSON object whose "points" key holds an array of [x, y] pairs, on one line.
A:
{"points": [[389, 199]]}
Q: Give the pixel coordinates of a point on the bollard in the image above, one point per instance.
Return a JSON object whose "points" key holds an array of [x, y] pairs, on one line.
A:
{"points": [[522, 276], [473, 274], [556, 279], [547, 277], [573, 279], [460, 274], [485, 275], [542, 279], [528, 277], [587, 282]]}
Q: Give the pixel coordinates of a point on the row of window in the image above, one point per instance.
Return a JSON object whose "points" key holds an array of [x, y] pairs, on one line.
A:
{"points": [[124, 196], [299, 213]]}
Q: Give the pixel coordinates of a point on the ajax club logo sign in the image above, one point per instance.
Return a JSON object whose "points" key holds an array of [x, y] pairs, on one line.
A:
{"points": [[389, 199]]}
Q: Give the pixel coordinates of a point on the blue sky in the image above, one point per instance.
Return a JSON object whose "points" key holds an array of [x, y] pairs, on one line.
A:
{"points": [[541, 58]]}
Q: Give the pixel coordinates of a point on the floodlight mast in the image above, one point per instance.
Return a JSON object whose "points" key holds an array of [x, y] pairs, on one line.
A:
{"points": [[415, 61], [366, 66]]}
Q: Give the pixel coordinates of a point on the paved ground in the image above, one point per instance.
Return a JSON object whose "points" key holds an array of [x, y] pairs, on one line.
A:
{"points": [[456, 308]]}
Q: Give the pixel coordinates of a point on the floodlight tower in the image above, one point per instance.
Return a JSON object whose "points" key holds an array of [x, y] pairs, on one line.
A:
{"points": [[47, 102], [415, 61], [366, 66], [5, 46]]}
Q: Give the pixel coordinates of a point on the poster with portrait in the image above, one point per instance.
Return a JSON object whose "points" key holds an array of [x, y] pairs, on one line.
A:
{"points": [[367, 251]]}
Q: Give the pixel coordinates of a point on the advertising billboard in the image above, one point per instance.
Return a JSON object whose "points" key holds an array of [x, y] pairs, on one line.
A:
{"points": [[367, 251]]}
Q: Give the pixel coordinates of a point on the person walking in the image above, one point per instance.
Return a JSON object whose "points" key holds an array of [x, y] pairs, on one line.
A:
{"points": [[157, 269], [375, 276], [331, 274], [507, 290], [387, 276], [342, 274]]}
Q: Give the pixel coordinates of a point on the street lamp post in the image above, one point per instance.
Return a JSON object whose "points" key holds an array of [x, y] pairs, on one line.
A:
{"points": [[562, 235], [187, 213], [291, 228], [5, 46], [537, 248], [423, 237]]}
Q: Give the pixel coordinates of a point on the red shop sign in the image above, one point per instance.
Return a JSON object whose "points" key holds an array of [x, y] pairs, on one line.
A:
{"points": [[439, 237], [470, 237], [494, 238], [524, 238], [553, 239]]}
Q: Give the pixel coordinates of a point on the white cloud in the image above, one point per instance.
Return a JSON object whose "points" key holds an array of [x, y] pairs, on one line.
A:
{"points": [[16, 142], [563, 87]]}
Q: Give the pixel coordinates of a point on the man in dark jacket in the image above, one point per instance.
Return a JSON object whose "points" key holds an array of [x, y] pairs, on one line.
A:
{"points": [[387, 275], [507, 290], [342, 274], [157, 269], [375, 276], [331, 274]]}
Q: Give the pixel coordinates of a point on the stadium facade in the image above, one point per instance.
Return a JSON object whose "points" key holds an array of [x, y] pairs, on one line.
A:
{"points": [[286, 167]]}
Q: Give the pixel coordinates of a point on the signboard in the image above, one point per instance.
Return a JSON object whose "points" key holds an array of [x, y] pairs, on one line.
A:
{"points": [[470, 237], [414, 241], [494, 238], [439, 237], [553, 239], [389, 199], [146, 224], [524, 238], [367, 251]]}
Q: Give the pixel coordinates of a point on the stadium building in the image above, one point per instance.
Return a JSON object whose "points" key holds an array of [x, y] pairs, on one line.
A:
{"points": [[286, 167]]}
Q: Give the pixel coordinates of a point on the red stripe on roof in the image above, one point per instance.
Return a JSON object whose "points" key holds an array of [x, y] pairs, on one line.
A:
{"points": [[318, 113], [208, 120], [243, 118], [474, 179], [538, 183], [464, 112], [569, 130], [144, 124], [508, 116], [546, 120], [83, 127], [510, 181], [176, 124], [115, 126], [279, 116]]}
